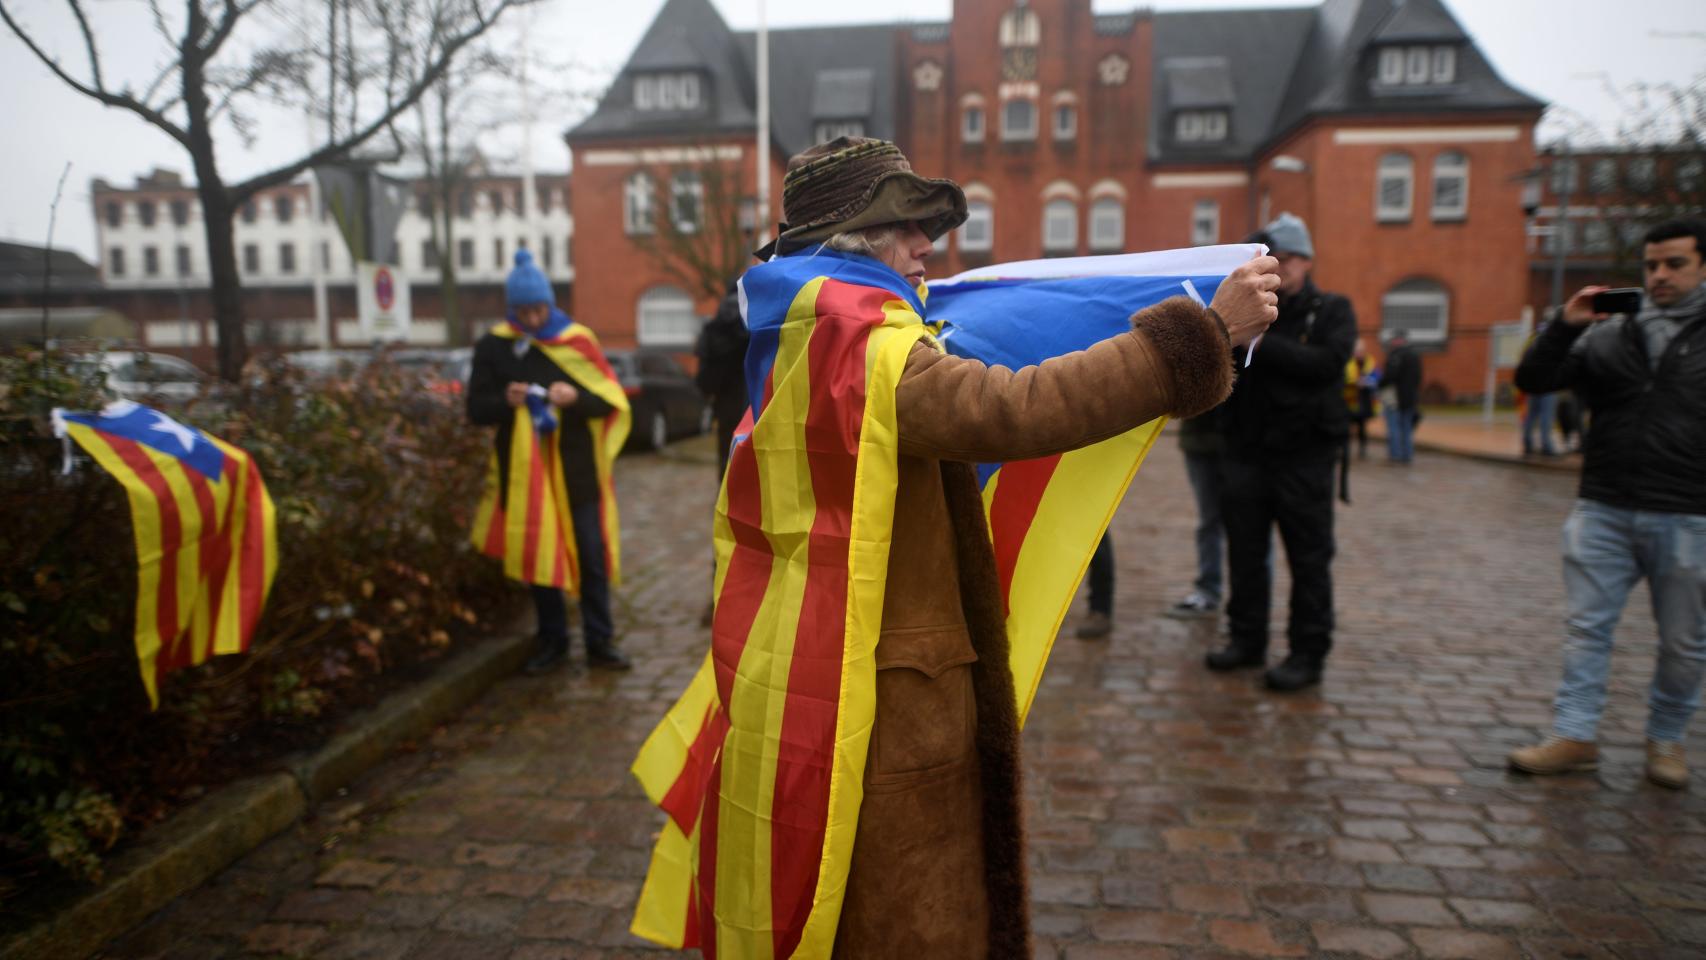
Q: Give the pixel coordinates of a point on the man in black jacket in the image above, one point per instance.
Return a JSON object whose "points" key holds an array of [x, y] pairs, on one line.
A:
{"points": [[503, 371], [1401, 387], [1641, 510], [1283, 427]]}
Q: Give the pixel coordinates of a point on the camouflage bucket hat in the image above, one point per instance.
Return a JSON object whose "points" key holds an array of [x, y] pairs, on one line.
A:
{"points": [[851, 183]]}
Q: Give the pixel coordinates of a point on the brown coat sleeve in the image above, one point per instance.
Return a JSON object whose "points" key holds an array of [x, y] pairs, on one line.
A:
{"points": [[1176, 360]]}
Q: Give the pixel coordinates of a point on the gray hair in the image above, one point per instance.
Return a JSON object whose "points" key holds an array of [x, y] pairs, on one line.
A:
{"points": [[869, 241]]}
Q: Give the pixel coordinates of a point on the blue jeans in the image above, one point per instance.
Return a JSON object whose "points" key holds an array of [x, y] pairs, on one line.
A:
{"points": [[549, 604], [1537, 419], [1607, 549], [1400, 434], [1204, 472]]}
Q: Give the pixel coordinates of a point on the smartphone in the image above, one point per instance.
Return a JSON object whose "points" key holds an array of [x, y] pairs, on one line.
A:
{"points": [[1620, 300]]}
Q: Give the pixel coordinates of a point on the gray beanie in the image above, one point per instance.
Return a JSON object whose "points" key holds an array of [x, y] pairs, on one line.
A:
{"points": [[1289, 234]]}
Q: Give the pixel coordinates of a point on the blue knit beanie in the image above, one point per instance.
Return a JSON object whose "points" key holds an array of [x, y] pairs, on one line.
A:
{"points": [[527, 283]]}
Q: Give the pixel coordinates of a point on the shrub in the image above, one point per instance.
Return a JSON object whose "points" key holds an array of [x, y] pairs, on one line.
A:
{"points": [[374, 479]]}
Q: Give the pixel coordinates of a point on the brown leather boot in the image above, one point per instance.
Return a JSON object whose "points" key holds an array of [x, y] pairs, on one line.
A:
{"points": [[1666, 765], [1556, 755]]}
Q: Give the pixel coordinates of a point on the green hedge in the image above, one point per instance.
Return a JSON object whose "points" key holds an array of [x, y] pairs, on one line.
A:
{"points": [[374, 479]]}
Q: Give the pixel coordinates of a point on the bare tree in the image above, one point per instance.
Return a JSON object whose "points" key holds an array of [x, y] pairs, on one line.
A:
{"points": [[702, 235], [391, 52]]}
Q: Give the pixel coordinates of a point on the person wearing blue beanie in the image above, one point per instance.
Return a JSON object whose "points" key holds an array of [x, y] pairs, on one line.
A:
{"points": [[527, 284], [510, 370]]}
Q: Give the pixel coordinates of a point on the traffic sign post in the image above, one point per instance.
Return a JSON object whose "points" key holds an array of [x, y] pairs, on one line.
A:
{"points": [[382, 303]]}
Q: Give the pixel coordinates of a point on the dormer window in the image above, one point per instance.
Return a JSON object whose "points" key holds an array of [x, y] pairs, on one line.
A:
{"points": [[1200, 126], [828, 130], [841, 102], [667, 92], [1429, 65]]}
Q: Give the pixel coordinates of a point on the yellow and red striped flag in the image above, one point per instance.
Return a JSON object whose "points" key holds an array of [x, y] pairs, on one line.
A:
{"points": [[204, 531], [759, 765], [536, 541]]}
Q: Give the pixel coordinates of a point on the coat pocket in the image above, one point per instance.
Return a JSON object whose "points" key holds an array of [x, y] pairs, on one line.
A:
{"points": [[926, 714]]}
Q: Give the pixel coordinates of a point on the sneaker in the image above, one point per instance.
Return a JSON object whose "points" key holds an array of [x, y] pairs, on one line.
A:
{"points": [[1095, 626], [1666, 765], [1556, 755], [1194, 606], [1295, 673]]}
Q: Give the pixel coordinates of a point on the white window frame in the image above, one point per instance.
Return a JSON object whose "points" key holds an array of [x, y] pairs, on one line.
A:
{"points": [[687, 185], [977, 234], [1451, 166], [1437, 296], [639, 204], [973, 124], [666, 91], [664, 317], [1060, 226], [1205, 223], [1068, 130], [1012, 132], [1444, 64], [1418, 66], [1107, 224], [1391, 67], [1201, 126], [828, 130], [1020, 28], [1394, 168]]}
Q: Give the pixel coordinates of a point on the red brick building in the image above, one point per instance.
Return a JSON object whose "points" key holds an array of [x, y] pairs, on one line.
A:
{"points": [[1377, 121]]}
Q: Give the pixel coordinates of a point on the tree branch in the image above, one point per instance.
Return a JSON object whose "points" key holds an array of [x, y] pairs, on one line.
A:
{"points": [[446, 53], [121, 100], [88, 43]]}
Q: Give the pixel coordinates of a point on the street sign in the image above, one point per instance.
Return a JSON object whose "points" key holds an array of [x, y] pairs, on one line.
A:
{"points": [[382, 302]]}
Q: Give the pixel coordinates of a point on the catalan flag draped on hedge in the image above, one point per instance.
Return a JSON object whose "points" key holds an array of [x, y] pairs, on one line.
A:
{"points": [[528, 525], [759, 766], [203, 526]]}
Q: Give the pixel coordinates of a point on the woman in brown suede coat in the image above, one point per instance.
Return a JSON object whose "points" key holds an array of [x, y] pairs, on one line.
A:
{"points": [[938, 857]]}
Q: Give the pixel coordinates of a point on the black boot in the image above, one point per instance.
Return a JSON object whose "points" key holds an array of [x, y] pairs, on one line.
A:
{"points": [[552, 654], [603, 655], [1235, 656], [1299, 670]]}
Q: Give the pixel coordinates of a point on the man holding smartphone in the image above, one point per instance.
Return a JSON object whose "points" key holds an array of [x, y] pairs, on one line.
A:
{"points": [[1642, 506]]}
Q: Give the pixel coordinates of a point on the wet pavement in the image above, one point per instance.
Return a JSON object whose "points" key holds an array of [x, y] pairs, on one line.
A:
{"points": [[1172, 813]]}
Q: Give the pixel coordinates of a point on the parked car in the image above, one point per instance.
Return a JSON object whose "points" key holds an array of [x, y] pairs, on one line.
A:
{"points": [[327, 364], [445, 370], [665, 401], [148, 377]]}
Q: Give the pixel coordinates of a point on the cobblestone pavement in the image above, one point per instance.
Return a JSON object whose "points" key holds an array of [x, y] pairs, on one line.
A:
{"points": [[1172, 813]]}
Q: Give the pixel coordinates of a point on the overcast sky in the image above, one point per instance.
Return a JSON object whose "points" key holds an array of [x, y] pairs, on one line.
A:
{"points": [[1564, 51]]}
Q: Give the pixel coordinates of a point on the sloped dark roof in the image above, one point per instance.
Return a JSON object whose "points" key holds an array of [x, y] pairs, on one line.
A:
{"points": [[1259, 48], [1334, 72], [1197, 82], [842, 93], [1419, 20], [23, 266], [686, 35], [810, 52]]}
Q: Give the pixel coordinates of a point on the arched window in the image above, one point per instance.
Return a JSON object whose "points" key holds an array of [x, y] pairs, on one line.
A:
{"points": [[1451, 186], [1393, 185], [686, 200], [1107, 224], [1065, 116], [977, 234], [1021, 28], [666, 319], [639, 200], [1419, 307], [1019, 119], [972, 122], [1060, 226]]}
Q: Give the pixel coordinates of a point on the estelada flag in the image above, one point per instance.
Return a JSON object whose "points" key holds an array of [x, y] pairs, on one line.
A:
{"points": [[528, 525], [759, 766], [204, 530]]}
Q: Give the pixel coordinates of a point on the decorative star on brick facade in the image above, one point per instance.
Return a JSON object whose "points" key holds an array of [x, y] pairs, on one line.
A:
{"points": [[927, 76], [1113, 70]]}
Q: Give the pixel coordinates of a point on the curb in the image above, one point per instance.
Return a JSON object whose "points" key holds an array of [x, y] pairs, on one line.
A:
{"points": [[204, 838]]}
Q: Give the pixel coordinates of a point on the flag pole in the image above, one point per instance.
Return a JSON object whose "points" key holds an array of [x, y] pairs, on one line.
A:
{"points": [[762, 161]]}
